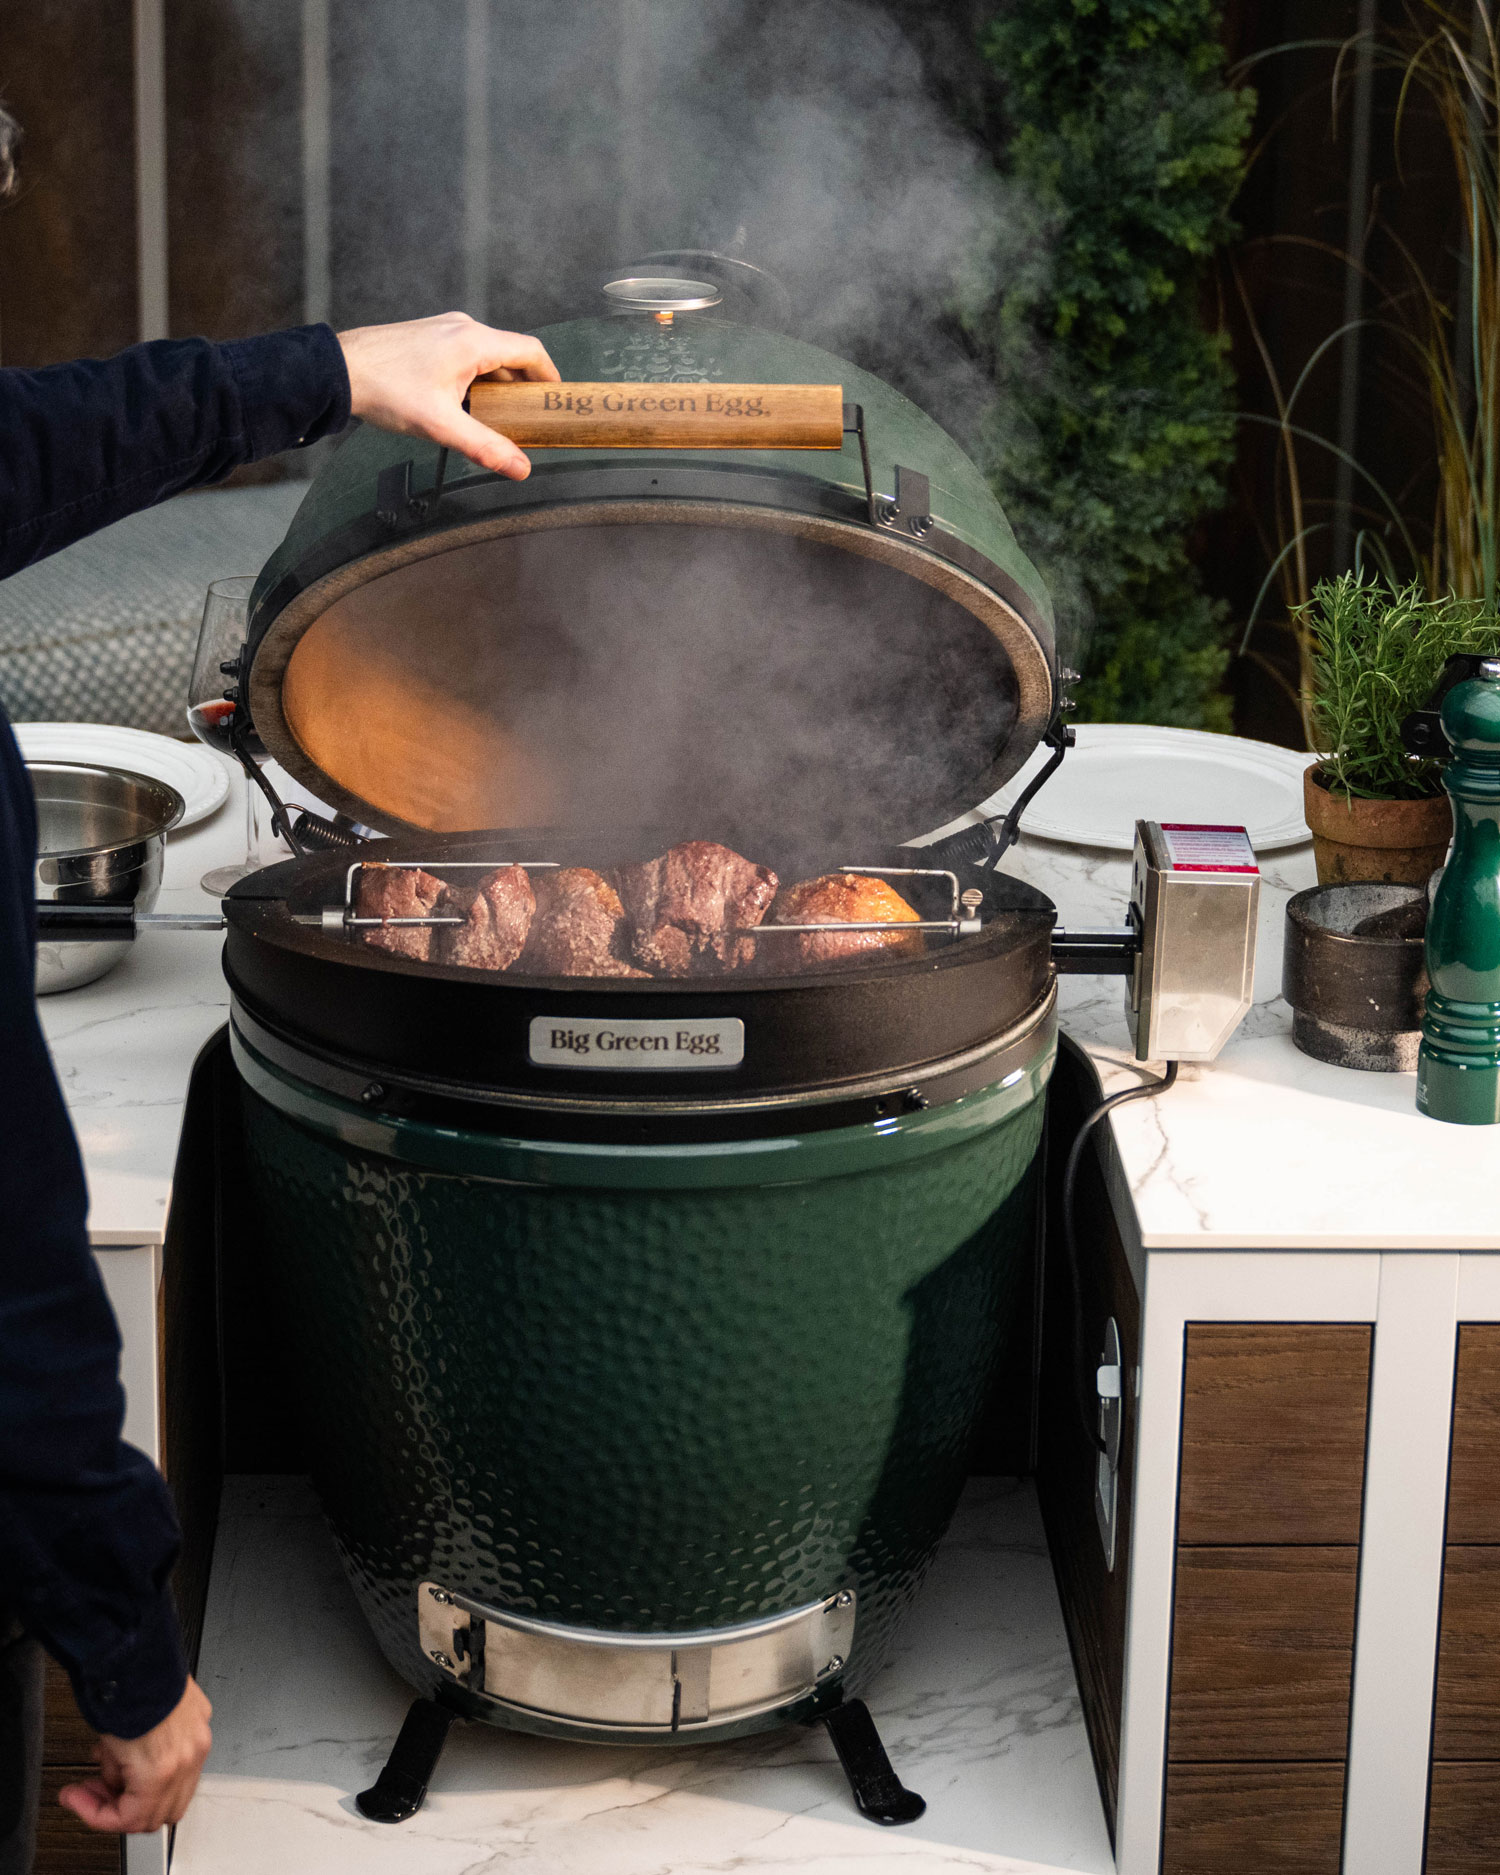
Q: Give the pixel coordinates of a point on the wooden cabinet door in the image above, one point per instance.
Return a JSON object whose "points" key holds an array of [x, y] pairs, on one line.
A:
{"points": [[1463, 1821], [1270, 1494]]}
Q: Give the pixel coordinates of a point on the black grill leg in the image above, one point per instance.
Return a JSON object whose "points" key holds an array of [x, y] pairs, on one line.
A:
{"points": [[398, 1791], [878, 1792]]}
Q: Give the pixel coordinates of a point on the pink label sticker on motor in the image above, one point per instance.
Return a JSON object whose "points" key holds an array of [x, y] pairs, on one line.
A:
{"points": [[1208, 849]]}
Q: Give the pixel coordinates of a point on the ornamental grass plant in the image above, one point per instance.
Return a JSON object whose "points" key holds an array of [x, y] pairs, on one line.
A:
{"points": [[1445, 55], [1451, 55], [1375, 652]]}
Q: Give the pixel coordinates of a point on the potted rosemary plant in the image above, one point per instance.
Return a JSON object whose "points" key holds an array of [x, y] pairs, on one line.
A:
{"points": [[1375, 653]]}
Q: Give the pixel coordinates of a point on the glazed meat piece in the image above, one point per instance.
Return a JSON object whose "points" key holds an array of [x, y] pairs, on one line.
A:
{"points": [[684, 907], [838, 898], [494, 931], [398, 892], [579, 928]]}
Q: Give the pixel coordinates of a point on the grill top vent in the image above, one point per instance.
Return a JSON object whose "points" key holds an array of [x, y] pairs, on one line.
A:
{"points": [[661, 294]]}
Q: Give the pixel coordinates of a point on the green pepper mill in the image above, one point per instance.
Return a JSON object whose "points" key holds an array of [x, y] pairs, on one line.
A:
{"points": [[1458, 1069]]}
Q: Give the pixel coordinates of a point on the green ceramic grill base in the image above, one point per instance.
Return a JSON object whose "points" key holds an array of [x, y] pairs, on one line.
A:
{"points": [[655, 1391]]}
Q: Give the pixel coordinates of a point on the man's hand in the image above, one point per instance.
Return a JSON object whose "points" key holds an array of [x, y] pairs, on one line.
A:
{"points": [[147, 1781], [413, 378]]}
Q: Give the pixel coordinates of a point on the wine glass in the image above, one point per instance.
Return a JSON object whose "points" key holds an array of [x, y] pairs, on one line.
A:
{"points": [[212, 710]]}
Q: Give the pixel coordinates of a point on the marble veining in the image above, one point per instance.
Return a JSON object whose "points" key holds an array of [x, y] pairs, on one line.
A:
{"points": [[979, 1710]]}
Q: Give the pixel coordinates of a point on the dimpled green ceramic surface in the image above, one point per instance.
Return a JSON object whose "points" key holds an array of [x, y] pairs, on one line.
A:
{"points": [[699, 349], [707, 1391]]}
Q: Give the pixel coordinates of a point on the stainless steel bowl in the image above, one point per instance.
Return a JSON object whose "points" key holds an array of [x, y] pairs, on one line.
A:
{"points": [[101, 840]]}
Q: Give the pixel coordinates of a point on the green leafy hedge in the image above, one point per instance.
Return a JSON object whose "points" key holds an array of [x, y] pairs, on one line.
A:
{"points": [[1122, 126]]}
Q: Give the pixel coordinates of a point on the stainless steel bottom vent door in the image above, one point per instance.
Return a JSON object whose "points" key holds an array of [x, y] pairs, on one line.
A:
{"points": [[663, 1682]]}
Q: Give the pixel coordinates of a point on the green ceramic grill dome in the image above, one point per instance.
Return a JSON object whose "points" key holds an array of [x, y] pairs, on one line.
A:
{"points": [[394, 673], [701, 348]]}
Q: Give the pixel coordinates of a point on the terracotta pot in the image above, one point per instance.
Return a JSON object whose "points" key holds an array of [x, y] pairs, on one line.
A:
{"points": [[1403, 842]]}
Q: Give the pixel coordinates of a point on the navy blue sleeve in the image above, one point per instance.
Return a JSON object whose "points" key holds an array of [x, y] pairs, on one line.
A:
{"points": [[83, 444], [87, 1532]]}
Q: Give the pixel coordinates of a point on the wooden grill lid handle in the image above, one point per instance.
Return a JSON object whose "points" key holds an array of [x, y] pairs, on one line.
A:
{"points": [[662, 416]]}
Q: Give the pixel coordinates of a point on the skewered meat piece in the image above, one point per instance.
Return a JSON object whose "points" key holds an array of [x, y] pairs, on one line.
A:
{"points": [[579, 929], [498, 917], [837, 898], [684, 907], [398, 892]]}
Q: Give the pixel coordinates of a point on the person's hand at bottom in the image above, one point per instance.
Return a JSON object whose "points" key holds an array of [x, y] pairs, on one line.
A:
{"points": [[143, 1783]]}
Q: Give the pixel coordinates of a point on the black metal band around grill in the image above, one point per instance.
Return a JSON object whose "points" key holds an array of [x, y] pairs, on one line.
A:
{"points": [[594, 1119]]}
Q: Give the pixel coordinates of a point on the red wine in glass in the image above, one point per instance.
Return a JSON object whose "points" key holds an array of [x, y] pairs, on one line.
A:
{"points": [[210, 723]]}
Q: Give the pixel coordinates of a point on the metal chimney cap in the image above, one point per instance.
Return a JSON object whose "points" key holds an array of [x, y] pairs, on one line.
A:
{"points": [[661, 293]]}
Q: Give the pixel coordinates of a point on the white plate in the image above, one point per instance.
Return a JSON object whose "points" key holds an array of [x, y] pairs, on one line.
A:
{"points": [[1123, 772], [192, 769]]}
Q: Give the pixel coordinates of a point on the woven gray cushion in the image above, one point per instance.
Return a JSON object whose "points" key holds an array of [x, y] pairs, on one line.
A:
{"points": [[104, 631]]}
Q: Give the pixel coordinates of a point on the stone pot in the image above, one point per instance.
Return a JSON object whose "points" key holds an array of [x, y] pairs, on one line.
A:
{"points": [[1353, 969], [1399, 842]]}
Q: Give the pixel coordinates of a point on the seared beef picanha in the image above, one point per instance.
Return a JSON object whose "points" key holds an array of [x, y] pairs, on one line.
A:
{"points": [[498, 919], [837, 898], [398, 892], [579, 928], [685, 906], [683, 914]]}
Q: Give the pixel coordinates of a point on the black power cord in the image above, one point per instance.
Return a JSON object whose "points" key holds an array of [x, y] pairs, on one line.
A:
{"points": [[1084, 1366]]}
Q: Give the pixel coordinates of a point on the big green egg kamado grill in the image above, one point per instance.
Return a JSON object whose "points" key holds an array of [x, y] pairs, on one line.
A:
{"points": [[641, 1386]]}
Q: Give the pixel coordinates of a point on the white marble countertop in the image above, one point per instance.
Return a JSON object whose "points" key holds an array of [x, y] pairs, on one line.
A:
{"points": [[1264, 1149], [979, 1710], [124, 1046]]}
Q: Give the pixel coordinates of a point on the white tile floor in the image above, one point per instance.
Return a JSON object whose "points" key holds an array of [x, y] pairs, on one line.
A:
{"points": [[979, 1711]]}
